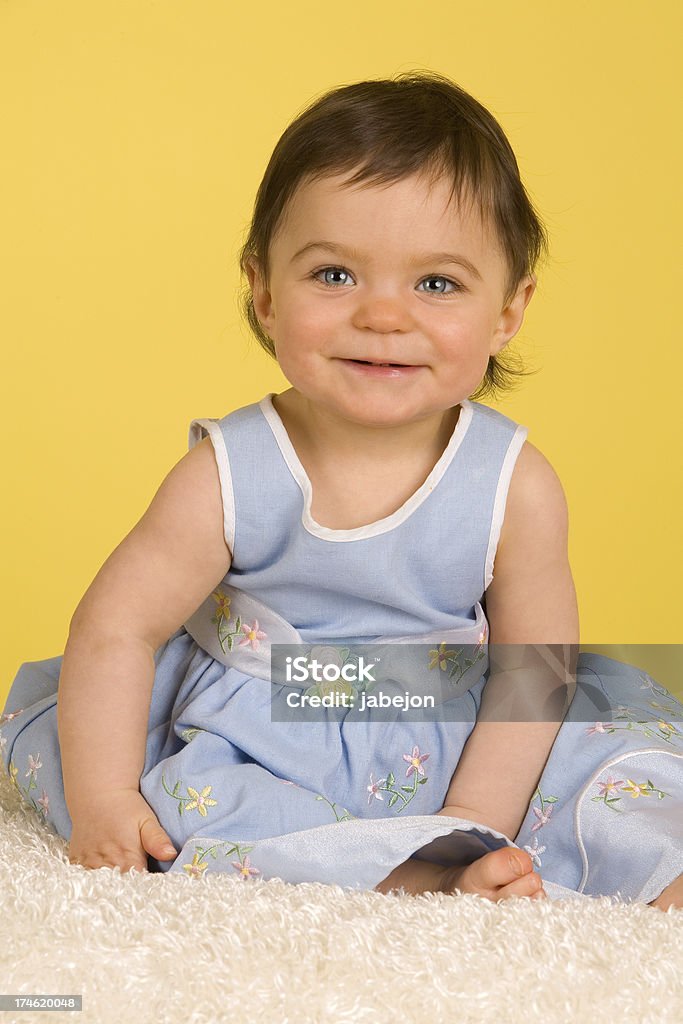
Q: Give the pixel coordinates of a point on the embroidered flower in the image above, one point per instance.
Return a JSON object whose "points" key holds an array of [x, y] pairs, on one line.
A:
{"points": [[10, 715], [327, 654], [666, 726], [598, 727], [543, 817], [223, 605], [659, 707], [44, 803], [535, 852], [244, 868], [195, 869], [335, 688], [415, 762], [252, 635], [33, 765], [200, 801], [637, 789], [611, 786], [440, 656], [373, 789]]}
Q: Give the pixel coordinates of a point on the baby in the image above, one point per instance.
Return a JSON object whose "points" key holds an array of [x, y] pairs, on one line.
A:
{"points": [[390, 261]]}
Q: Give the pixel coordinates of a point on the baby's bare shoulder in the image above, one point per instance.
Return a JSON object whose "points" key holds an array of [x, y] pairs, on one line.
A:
{"points": [[532, 598], [534, 480], [170, 561]]}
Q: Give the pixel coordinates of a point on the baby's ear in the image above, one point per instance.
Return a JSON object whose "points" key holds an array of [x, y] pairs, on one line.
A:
{"points": [[260, 297], [252, 270], [512, 315]]}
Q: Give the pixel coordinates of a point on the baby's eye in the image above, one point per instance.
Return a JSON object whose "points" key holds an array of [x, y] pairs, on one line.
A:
{"points": [[456, 286], [328, 270], [340, 270]]}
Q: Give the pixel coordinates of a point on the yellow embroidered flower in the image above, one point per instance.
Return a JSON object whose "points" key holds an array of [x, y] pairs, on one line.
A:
{"points": [[223, 602], [195, 869], [440, 657], [200, 801], [666, 727], [636, 789], [13, 772], [332, 687]]}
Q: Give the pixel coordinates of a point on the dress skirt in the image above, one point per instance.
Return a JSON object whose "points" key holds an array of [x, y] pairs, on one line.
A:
{"points": [[343, 799]]}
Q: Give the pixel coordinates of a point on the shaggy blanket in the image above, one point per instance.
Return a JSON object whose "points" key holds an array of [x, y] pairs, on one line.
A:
{"points": [[155, 948]]}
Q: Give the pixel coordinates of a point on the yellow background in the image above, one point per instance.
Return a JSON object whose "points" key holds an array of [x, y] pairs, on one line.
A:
{"points": [[134, 137]]}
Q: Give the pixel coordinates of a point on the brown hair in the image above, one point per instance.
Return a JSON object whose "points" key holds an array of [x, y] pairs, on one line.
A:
{"points": [[415, 122]]}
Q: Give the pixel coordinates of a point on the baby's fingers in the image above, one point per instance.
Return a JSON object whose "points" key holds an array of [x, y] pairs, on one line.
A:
{"points": [[125, 860], [155, 841]]}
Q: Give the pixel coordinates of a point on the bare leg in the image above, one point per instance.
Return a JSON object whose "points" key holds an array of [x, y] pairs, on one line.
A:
{"points": [[671, 897]]}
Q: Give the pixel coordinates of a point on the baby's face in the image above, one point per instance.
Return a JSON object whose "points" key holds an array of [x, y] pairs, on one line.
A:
{"points": [[384, 295]]}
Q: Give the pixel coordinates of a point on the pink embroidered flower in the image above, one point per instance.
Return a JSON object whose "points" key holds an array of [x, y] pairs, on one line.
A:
{"points": [[373, 789], [598, 727], [252, 635], [482, 636], [44, 803], [416, 760], [34, 764], [611, 786], [10, 715], [543, 817], [244, 868]]}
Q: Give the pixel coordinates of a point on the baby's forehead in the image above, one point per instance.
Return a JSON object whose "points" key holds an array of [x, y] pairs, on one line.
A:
{"points": [[317, 199]]}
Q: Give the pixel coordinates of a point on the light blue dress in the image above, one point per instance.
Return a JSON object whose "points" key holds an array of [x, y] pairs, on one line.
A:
{"points": [[246, 783]]}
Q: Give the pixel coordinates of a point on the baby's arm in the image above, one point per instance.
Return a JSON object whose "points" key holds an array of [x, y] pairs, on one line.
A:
{"points": [[532, 612], [153, 581]]}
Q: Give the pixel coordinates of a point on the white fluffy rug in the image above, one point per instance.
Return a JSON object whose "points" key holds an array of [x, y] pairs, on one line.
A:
{"points": [[155, 948]]}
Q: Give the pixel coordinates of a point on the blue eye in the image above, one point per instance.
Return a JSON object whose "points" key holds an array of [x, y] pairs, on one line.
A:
{"points": [[438, 277], [340, 270], [328, 270]]}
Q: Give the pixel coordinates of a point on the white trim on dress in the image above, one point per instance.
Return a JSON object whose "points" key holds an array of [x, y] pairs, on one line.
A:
{"points": [[198, 429], [381, 525], [514, 448]]}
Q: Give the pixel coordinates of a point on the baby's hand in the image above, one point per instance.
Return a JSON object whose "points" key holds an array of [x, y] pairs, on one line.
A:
{"points": [[120, 830]]}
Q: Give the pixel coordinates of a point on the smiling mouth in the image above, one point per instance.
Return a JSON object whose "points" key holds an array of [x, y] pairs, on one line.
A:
{"points": [[366, 362]]}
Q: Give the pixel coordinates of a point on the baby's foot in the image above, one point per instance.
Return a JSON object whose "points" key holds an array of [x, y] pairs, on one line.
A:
{"points": [[671, 897], [496, 876]]}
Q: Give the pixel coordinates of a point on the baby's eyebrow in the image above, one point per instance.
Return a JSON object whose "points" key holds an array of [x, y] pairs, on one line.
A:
{"points": [[420, 260]]}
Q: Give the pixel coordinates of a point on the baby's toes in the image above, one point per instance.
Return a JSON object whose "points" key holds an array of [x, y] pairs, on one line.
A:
{"points": [[494, 873], [530, 884]]}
